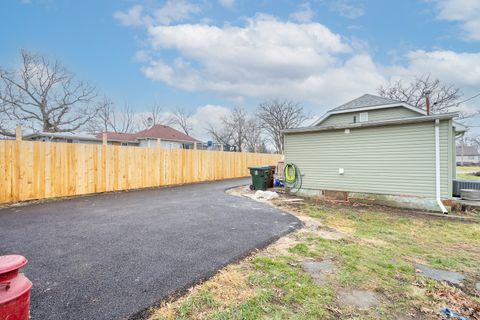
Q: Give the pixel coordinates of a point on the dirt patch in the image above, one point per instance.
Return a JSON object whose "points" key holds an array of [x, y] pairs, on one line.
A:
{"points": [[282, 246], [362, 299], [319, 270], [331, 234]]}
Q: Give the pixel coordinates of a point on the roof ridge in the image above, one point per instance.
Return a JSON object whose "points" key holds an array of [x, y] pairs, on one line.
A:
{"points": [[365, 100]]}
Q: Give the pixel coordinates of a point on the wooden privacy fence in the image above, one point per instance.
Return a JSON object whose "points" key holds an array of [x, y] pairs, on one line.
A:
{"points": [[37, 170]]}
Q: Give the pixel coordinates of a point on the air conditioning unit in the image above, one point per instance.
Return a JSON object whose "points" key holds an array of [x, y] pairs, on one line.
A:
{"points": [[464, 184]]}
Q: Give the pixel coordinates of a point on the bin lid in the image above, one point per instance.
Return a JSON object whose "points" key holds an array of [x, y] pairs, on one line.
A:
{"points": [[11, 262]]}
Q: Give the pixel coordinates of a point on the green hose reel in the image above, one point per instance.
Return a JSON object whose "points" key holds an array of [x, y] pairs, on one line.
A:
{"points": [[290, 173], [293, 178]]}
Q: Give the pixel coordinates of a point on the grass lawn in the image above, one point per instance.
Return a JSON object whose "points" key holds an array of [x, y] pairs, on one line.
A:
{"points": [[372, 248], [464, 173]]}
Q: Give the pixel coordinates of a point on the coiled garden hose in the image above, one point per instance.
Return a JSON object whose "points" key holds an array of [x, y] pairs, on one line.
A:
{"points": [[293, 178]]}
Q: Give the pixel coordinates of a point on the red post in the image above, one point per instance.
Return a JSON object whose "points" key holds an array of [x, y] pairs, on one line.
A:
{"points": [[14, 289]]}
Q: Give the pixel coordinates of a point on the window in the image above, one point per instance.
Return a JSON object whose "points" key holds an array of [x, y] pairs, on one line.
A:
{"points": [[363, 116], [354, 119]]}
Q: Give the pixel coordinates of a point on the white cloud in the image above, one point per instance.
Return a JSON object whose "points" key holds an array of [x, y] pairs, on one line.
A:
{"points": [[459, 69], [227, 3], [466, 12], [266, 57], [346, 9], [304, 13], [132, 17], [462, 69], [175, 10], [269, 58], [170, 12]]}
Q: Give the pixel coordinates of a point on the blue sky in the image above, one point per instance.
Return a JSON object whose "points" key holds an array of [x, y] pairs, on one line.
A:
{"points": [[192, 54]]}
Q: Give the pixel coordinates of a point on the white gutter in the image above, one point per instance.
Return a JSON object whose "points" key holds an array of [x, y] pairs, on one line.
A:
{"points": [[437, 167]]}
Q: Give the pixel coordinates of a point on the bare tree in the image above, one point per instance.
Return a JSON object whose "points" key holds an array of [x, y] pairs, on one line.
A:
{"points": [[232, 130], [236, 123], [443, 97], [102, 121], [254, 136], [182, 119], [43, 95], [124, 121], [155, 116], [472, 140], [276, 116], [109, 119], [220, 134]]}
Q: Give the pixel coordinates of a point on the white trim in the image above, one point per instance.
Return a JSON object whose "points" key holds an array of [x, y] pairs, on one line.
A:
{"points": [[381, 106], [437, 167]]}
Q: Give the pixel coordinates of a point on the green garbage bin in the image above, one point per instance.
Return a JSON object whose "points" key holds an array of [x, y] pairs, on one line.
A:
{"points": [[262, 177]]}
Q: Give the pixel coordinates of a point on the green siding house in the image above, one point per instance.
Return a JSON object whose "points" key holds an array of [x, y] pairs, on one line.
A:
{"points": [[379, 149]]}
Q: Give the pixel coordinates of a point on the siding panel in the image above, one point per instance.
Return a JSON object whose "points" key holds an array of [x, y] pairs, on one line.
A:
{"points": [[398, 159]]}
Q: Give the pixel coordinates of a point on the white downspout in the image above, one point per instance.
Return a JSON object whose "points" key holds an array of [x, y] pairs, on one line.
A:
{"points": [[437, 167]]}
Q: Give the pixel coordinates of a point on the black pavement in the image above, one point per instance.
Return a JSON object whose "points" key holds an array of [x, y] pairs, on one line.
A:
{"points": [[113, 255]]}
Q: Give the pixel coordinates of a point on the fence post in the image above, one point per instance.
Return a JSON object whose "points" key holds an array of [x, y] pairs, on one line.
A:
{"points": [[105, 162], [18, 133]]}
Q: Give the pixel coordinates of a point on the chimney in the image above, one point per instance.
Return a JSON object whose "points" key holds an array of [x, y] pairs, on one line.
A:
{"points": [[427, 101]]}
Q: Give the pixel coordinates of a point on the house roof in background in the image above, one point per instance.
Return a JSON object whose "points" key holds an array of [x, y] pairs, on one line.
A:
{"points": [[467, 151], [164, 132], [118, 136], [367, 100], [61, 135], [158, 131]]}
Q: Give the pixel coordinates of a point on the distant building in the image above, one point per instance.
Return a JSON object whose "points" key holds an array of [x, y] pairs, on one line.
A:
{"points": [[169, 138], [67, 137], [468, 155]]}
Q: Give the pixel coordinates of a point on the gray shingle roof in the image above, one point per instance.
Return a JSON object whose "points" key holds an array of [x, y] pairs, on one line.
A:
{"points": [[367, 100]]}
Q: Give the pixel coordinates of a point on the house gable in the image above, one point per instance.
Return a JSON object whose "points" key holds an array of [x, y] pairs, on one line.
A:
{"points": [[369, 108], [373, 115]]}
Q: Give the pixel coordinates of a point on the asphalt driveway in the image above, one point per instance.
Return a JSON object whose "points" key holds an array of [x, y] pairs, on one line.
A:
{"points": [[110, 256]]}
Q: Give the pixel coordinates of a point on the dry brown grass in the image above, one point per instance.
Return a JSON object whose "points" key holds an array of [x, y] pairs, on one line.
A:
{"points": [[230, 285]]}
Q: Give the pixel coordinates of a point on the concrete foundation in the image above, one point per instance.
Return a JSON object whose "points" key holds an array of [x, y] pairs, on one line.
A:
{"points": [[408, 202]]}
